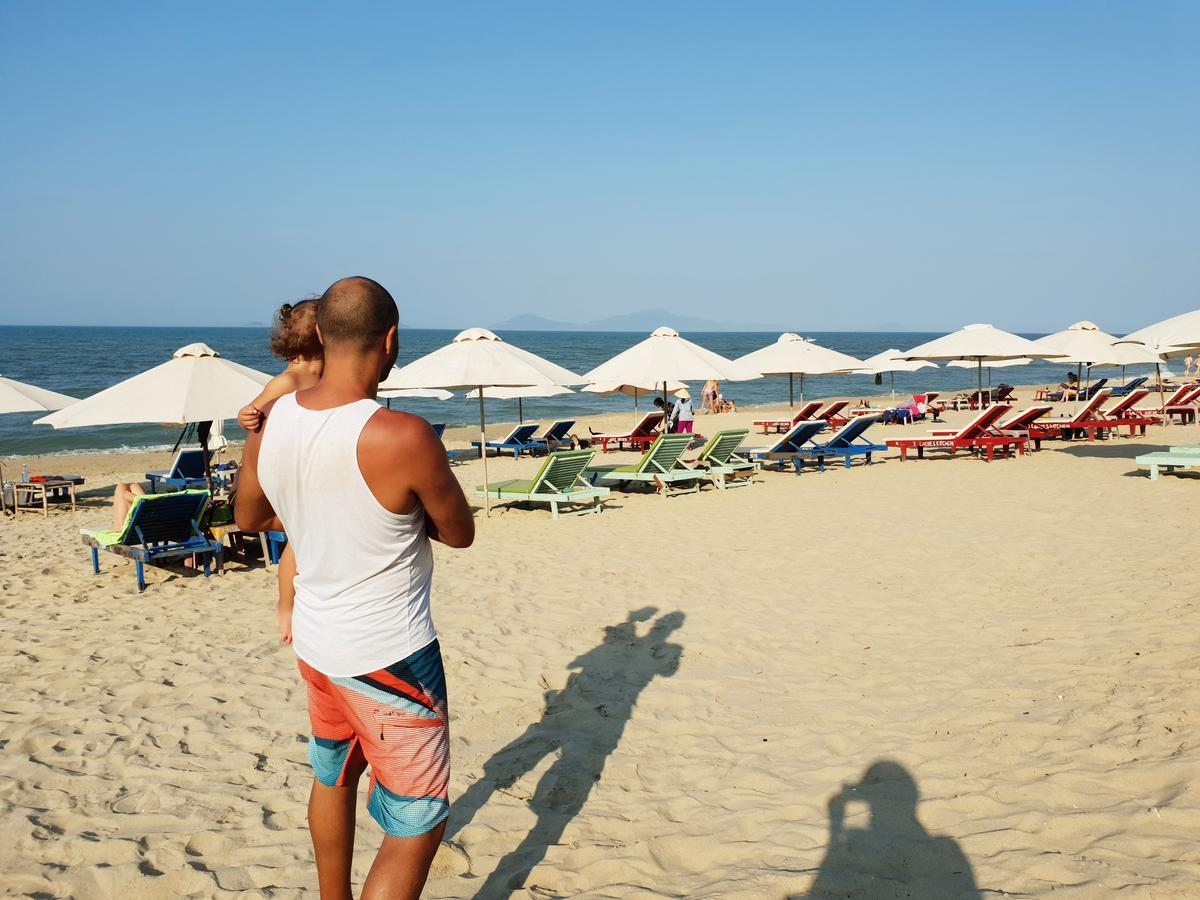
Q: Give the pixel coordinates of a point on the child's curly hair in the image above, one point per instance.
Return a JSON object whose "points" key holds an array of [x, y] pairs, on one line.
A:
{"points": [[294, 333]]}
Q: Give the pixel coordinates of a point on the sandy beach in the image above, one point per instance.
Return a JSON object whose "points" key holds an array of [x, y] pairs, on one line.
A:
{"points": [[665, 700]]}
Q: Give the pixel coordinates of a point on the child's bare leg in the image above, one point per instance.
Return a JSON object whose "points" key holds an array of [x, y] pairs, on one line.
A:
{"points": [[287, 593]]}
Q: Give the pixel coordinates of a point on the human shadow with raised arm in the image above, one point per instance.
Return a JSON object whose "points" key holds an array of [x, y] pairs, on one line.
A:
{"points": [[580, 726], [894, 856]]}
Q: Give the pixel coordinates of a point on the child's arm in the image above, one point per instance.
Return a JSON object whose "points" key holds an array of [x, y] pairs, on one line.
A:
{"points": [[250, 417], [287, 594]]}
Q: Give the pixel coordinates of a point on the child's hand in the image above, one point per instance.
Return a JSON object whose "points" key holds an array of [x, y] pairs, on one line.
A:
{"points": [[283, 617], [250, 417]]}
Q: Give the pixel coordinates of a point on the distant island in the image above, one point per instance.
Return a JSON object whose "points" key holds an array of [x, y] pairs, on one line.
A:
{"points": [[644, 320]]}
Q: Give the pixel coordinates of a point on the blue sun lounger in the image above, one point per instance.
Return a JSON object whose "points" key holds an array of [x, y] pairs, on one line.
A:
{"points": [[186, 472], [158, 527], [848, 443], [439, 428], [1123, 390], [559, 432], [519, 440], [789, 445]]}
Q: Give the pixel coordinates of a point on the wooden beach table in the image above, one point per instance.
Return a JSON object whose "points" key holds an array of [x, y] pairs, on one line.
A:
{"points": [[46, 491]]}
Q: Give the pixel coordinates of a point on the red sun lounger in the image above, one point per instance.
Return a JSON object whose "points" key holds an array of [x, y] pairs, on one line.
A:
{"points": [[978, 435], [641, 435], [803, 414], [1088, 420]]}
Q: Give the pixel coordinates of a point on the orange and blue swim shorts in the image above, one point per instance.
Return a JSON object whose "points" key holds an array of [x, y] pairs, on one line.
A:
{"points": [[394, 719]]}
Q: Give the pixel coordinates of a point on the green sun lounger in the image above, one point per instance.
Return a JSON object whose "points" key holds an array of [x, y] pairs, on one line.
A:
{"points": [[661, 466], [158, 527], [721, 459], [558, 482], [1184, 457]]}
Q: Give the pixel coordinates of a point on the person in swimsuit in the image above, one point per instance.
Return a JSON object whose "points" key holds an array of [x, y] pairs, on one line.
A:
{"points": [[361, 492]]}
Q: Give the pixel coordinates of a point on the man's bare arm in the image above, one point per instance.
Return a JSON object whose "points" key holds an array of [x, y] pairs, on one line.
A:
{"points": [[252, 510], [404, 463]]}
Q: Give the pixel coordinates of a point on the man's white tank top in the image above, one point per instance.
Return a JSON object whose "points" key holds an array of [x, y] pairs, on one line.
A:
{"points": [[363, 572]]}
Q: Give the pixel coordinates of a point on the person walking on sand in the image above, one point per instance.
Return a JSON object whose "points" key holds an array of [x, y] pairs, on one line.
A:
{"points": [[361, 491], [682, 413]]}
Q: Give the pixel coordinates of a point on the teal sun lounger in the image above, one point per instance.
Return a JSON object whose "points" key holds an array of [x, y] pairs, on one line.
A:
{"points": [[721, 459]]}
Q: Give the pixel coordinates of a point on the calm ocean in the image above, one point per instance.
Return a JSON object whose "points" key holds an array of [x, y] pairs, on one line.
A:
{"points": [[80, 361]]}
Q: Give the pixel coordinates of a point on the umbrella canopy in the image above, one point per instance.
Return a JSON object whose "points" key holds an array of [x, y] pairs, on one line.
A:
{"points": [[195, 385], [1176, 336], [665, 356], [891, 362], [414, 393], [792, 355], [478, 358], [519, 394], [1085, 343], [994, 364], [980, 344], [15, 397]]}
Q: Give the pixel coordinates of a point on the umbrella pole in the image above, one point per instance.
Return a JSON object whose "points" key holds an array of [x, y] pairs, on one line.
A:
{"points": [[520, 411], [1078, 378], [893, 374], [979, 371], [791, 390], [801, 387], [487, 506], [635, 408], [1162, 398]]}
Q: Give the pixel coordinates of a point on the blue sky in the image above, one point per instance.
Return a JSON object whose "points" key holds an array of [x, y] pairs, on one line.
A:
{"points": [[815, 166]]}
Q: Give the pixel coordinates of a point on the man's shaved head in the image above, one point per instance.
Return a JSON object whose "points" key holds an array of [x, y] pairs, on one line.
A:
{"points": [[355, 313]]}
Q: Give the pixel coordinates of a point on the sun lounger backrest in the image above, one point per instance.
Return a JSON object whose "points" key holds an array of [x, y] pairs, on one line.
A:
{"points": [[834, 408], [799, 435], [664, 453], [650, 421], [1089, 409], [558, 430], [163, 517], [851, 431], [983, 420], [1187, 394], [807, 411], [188, 464], [1002, 394], [1026, 417], [722, 445], [439, 428], [1126, 403], [561, 471]]}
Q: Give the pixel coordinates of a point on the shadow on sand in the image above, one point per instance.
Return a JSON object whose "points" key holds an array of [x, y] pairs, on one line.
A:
{"points": [[894, 856], [580, 726]]}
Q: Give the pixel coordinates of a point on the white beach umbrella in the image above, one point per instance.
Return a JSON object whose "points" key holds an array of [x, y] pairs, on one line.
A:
{"points": [[414, 394], [1131, 354], [520, 394], [196, 385], [792, 355], [478, 358], [665, 357], [1176, 336], [891, 361], [994, 364], [612, 388], [1085, 344], [979, 344], [16, 397]]}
